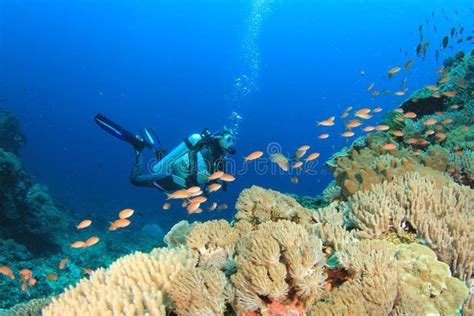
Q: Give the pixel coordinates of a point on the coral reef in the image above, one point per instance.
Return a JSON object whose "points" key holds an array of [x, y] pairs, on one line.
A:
{"points": [[11, 136]]}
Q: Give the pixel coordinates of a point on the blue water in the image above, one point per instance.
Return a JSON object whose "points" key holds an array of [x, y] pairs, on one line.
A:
{"points": [[175, 66]]}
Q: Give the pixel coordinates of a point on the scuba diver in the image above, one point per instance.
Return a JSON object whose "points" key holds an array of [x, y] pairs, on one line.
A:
{"points": [[188, 164]]}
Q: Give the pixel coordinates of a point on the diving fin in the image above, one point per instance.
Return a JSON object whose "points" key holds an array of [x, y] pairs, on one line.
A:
{"points": [[116, 130], [150, 137]]}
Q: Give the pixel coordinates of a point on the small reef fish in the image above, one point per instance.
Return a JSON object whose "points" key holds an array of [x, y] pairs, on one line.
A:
{"points": [[376, 93], [400, 92], [253, 156], [94, 240], [429, 132], [299, 153], [348, 134], [408, 64], [193, 190], [323, 136], [364, 116], [441, 136], [192, 207], [280, 160], [180, 194], [436, 95], [382, 128], [370, 86], [78, 244], [393, 71], [214, 187], [304, 148], [7, 271], [389, 146], [430, 121], [24, 287], [410, 115], [87, 271], [62, 263], [345, 114], [404, 80], [222, 207], [312, 156], [447, 121], [184, 204], [227, 177], [328, 122], [297, 165], [440, 69], [432, 87], [353, 123], [454, 106], [213, 206], [444, 80], [411, 141], [216, 175], [294, 180], [398, 133], [398, 111], [166, 206], [126, 213], [377, 110], [119, 223], [465, 128], [348, 109], [362, 72], [445, 41], [363, 111], [51, 276], [26, 274], [368, 128], [450, 94], [32, 282], [199, 199], [84, 224]]}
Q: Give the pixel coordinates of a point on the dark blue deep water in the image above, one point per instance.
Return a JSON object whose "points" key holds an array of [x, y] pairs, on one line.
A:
{"points": [[181, 66]]}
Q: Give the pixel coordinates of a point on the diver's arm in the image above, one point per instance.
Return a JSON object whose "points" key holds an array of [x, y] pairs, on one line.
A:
{"points": [[138, 178]]}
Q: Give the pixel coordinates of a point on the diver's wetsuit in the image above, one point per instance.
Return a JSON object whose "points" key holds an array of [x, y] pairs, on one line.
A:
{"points": [[189, 164]]}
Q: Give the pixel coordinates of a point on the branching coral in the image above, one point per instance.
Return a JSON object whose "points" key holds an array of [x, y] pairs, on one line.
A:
{"points": [[279, 263], [441, 215], [135, 284], [31, 308]]}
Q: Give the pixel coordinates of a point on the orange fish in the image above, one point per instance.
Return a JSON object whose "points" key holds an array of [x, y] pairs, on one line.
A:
{"points": [[398, 111], [24, 287], [227, 178], [299, 153], [368, 128], [376, 93], [364, 116], [439, 113], [411, 141], [393, 71], [348, 109], [328, 122], [422, 142], [280, 160], [370, 86], [447, 121], [398, 133], [126, 213], [32, 282], [254, 155], [180, 194], [348, 134], [216, 175], [78, 244], [51, 276], [400, 93], [432, 87], [63, 262], [25, 274], [119, 223], [304, 148], [94, 240], [323, 136], [439, 127], [389, 146], [294, 180], [87, 271], [459, 153], [377, 110], [199, 199], [382, 128], [213, 206], [214, 187], [192, 207], [312, 156], [450, 94], [464, 128], [410, 115], [297, 165], [454, 106], [222, 207], [439, 70], [7, 271], [430, 121], [353, 123], [84, 224], [408, 64], [445, 79], [436, 95], [193, 190], [166, 206], [441, 136], [345, 114], [429, 132]]}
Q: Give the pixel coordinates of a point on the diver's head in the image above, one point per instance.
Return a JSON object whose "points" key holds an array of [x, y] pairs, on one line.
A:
{"points": [[226, 140]]}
